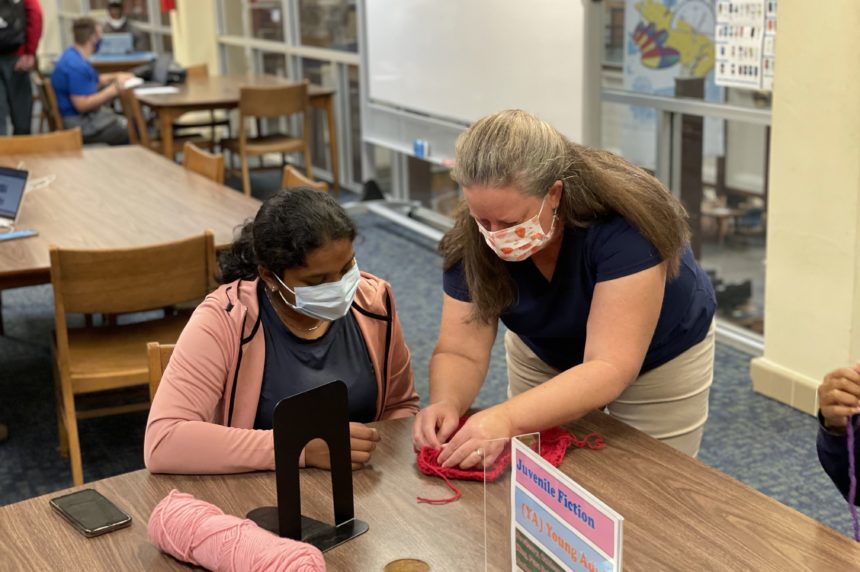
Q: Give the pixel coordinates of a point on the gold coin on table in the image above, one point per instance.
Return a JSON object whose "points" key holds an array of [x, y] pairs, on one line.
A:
{"points": [[407, 565]]}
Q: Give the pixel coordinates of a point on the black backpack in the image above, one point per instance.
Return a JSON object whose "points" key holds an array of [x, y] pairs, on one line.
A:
{"points": [[13, 29]]}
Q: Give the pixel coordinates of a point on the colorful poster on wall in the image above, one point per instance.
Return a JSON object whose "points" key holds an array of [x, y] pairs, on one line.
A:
{"points": [[740, 42], [667, 41], [769, 49]]}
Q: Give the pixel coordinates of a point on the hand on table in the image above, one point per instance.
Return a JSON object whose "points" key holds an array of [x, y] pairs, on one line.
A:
{"points": [[434, 424], [481, 439], [362, 443], [839, 396]]}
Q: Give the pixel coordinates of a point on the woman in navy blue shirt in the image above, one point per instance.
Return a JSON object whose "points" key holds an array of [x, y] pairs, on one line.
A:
{"points": [[585, 259]]}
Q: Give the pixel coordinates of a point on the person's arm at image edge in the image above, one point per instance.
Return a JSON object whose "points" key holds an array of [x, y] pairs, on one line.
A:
{"points": [[838, 398]]}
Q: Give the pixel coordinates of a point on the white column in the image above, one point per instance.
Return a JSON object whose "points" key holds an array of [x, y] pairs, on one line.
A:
{"points": [[812, 294]]}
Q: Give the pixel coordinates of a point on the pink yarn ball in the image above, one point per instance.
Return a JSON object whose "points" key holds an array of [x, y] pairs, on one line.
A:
{"points": [[198, 532]]}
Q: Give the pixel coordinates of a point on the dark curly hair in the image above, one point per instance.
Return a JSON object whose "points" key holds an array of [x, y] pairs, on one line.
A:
{"points": [[288, 226]]}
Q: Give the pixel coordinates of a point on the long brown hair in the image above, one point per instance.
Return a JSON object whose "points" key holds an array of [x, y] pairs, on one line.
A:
{"points": [[515, 148]]}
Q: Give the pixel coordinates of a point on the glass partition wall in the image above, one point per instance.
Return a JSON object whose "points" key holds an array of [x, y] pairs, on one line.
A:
{"points": [[708, 144], [303, 39]]}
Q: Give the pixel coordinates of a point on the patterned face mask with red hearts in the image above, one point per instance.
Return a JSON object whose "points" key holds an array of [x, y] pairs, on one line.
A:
{"points": [[520, 241]]}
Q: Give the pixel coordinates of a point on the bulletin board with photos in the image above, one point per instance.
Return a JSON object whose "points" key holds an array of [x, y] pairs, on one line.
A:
{"points": [[745, 38]]}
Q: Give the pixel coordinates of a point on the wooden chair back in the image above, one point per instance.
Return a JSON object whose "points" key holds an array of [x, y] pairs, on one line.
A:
{"points": [[49, 101], [197, 71], [57, 142], [209, 165], [137, 132], [93, 360], [157, 355], [118, 281], [273, 101], [292, 178]]}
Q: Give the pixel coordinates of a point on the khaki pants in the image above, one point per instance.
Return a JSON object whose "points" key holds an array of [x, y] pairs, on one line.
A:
{"points": [[670, 402]]}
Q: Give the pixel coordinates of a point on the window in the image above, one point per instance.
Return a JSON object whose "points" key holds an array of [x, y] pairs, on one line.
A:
{"points": [[613, 37], [232, 18], [273, 64], [166, 44], [318, 72], [267, 22], [138, 10], [235, 60], [355, 120], [270, 37], [330, 24]]}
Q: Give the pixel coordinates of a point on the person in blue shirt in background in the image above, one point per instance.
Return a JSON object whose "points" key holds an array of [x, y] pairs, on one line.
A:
{"points": [[839, 401], [586, 259], [83, 93]]}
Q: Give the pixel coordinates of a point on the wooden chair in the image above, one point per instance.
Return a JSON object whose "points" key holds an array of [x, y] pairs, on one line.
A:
{"points": [[216, 119], [157, 355], [197, 71], [270, 102], [89, 361], [58, 142], [199, 161], [48, 99], [292, 178], [138, 132]]}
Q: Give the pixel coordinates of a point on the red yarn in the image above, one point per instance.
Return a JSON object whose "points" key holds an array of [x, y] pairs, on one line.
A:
{"points": [[554, 443]]}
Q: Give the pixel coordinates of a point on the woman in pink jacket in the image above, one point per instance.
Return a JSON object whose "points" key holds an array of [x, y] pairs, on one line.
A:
{"points": [[293, 313]]}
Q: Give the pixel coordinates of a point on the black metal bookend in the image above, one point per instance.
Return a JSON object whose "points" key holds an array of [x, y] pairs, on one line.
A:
{"points": [[320, 413]]}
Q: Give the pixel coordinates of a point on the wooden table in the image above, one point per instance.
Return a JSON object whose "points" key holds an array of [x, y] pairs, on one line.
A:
{"points": [[110, 63], [222, 92], [111, 198], [679, 514]]}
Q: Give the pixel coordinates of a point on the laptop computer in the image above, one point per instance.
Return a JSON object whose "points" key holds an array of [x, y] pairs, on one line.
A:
{"points": [[115, 44], [13, 183], [160, 69], [156, 75]]}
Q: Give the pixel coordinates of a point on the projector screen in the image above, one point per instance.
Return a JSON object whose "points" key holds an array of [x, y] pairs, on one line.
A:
{"points": [[463, 59]]}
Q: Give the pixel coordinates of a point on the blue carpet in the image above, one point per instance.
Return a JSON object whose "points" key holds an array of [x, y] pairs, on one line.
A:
{"points": [[765, 444]]}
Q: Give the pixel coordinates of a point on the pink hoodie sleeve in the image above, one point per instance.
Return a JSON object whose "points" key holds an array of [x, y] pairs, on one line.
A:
{"points": [[183, 434], [402, 398]]}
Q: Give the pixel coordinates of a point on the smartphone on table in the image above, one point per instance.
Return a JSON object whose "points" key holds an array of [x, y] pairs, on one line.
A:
{"points": [[90, 513]]}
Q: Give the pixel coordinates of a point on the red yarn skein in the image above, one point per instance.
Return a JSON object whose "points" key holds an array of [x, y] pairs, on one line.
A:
{"points": [[554, 443]]}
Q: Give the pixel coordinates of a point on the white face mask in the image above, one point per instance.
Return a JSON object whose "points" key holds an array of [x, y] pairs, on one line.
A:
{"points": [[116, 22], [521, 240], [329, 301]]}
